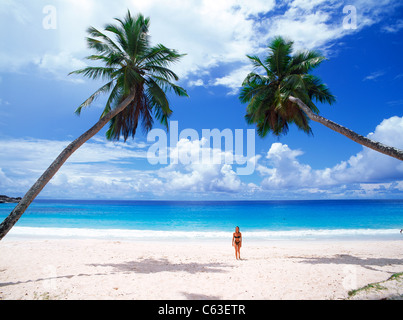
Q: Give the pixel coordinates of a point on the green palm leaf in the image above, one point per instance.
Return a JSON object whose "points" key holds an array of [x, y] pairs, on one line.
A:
{"points": [[285, 75], [131, 65]]}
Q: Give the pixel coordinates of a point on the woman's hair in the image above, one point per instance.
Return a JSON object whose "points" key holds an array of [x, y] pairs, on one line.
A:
{"points": [[237, 227]]}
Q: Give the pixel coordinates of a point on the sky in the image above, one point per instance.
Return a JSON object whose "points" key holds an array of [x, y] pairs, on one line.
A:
{"points": [[42, 41]]}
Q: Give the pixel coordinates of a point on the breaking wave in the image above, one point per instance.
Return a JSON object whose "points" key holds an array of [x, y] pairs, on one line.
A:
{"points": [[263, 235]]}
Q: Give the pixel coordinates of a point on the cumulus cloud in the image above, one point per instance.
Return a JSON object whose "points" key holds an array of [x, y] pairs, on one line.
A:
{"points": [[361, 174], [191, 169], [285, 171], [369, 166], [366, 174], [102, 169]]}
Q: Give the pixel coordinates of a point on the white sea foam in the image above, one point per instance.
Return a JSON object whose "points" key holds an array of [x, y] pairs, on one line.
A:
{"points": [[127, 234]]}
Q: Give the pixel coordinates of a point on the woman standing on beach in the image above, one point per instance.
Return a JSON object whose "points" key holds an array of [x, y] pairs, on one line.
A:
{"points": [[237, 243]]}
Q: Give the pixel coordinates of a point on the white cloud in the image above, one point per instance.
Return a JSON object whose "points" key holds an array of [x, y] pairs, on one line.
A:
{"points": [[374, 75], [361, 174], [101, 169], [394, 103], [4, 180], [17, 10], [100, 180], [308, 30], [394, 27], [316, 24], [201, 174], [196, 83], [371, 166], [24, 160], [60, 65], [285, 171], [212, 33], [234, 79]]}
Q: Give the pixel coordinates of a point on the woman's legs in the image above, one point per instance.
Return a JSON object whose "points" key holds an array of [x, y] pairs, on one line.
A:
{"points": [[237, 251]]}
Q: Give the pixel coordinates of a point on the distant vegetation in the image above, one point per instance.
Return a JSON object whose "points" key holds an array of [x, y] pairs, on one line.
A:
{"points": [[5, 199]]}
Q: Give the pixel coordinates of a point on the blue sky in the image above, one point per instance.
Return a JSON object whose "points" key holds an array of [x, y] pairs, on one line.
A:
{"points": [[42, 41]]}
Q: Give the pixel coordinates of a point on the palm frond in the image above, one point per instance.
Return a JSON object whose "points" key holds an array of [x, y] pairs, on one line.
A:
{"points": [[257, 63], [104, 89], [280, 57], [135, 40], [318, 90], [111, 60], [107, 43], [96, 72], [306, 61], [160, 56], [169, 86]]}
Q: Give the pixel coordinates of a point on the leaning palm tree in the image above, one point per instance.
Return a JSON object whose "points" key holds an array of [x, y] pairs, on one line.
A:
{"points": [[138, 79], [284, 95]]}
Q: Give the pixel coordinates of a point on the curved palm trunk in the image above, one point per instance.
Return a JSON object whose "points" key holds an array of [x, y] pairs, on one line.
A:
{"points": [[374, 145], [18, 211]]}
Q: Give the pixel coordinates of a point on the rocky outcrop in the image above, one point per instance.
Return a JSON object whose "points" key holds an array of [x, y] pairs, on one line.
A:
{"points": [[5, 199]]}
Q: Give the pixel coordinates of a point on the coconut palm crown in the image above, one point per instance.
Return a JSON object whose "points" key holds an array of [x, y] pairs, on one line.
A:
{"points": [[285, 75], [130, 65], [284, 94]]}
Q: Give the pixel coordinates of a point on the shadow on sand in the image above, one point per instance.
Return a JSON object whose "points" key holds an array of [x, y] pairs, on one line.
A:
{"points": [[368, 263], [197, 296], [147, 266]]}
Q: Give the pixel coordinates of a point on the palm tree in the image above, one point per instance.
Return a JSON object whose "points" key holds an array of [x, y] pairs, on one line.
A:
{"points": [[284, 94], [137, 78]]}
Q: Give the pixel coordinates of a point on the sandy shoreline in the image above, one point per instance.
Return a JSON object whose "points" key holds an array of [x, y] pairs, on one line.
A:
{"points": [[101, 269]]}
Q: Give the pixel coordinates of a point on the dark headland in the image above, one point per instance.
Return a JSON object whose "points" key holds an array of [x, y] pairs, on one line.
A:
{"points": [[5, 199]]}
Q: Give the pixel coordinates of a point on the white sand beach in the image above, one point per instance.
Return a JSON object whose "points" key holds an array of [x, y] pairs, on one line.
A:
{"points": [[101, 269]]}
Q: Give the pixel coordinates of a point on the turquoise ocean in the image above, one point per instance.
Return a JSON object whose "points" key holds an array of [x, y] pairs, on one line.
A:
{"points": [[210, 220]]}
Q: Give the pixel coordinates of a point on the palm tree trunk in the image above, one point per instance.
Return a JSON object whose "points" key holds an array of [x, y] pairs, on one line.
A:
{"points": [[18, 211], [374, 145]]}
